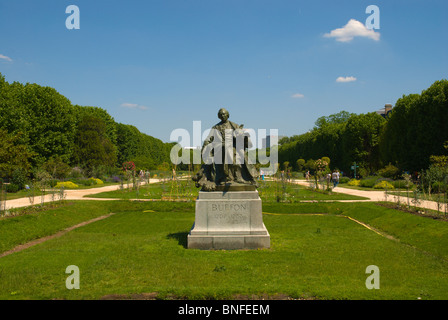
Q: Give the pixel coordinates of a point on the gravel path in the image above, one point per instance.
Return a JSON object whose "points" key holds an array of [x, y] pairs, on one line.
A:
{"points": [[378, 196], [78, 194]]}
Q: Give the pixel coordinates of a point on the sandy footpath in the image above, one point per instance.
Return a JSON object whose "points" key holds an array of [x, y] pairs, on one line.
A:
{"points": [[378, 196], [78, 194]]}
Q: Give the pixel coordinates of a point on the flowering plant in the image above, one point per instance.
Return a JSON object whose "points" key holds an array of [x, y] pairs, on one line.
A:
{"points": [[321, 165], [129, 166], [66, 184], [96, 181], [354, 182], [383, 185]]}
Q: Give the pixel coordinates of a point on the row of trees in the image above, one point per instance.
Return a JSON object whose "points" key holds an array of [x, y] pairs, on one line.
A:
{"points": [[407, 138], [39, 127]]}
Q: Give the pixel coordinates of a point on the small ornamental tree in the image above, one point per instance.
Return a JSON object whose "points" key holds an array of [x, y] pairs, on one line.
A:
{"points": [[129, 166], [300, 164], [321, 169], [129, 171]]}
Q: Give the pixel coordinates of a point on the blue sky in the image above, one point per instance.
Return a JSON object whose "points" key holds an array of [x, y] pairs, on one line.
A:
{"points": [[160, 65]]}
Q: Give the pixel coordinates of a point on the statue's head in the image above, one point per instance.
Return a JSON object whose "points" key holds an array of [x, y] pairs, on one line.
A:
{"points": [[223, 114]]}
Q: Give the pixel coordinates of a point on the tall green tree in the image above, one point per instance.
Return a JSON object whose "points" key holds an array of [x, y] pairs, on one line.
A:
{"points": [[92, 146], [337, 118], [127, 142], [111, 125], [361, 141], [145, 151], [417, 128], [13, 155], [324, 140], [45, 118]]}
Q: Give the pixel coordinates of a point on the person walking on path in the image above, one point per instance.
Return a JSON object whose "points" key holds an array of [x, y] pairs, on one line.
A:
{"points": [[335, 178]]}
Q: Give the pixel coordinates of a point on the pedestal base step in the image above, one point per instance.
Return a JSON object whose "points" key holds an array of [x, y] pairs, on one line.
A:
{"points": [[228, 242]]}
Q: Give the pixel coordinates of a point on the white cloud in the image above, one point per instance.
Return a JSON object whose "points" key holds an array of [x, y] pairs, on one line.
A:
{"points": [[5, 58], [297, 96], [352, 29], [129, 105], [133, 106], [346, 79]]}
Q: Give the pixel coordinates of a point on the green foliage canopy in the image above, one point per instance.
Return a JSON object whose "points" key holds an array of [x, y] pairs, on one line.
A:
{"points": [[13, 155]]}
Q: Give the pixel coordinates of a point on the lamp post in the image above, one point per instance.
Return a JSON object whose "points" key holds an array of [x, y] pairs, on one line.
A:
{"points": [[354, 166]]}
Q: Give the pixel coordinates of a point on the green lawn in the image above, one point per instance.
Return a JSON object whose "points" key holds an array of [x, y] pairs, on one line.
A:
{"points": [[291, 192], [180, 189], [142, 249], [40, 223], [269, 192]]}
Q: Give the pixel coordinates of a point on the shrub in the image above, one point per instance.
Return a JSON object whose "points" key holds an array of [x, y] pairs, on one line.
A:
{"points": [[439, 187], [389, 171], [56, 167], [115, 179], [354, 182], [84, 182], [297, 175], [300, 164], [368, 182], [53, 182], [96, 181], [363, 172], [12, 188], [344, 180], [383, 185], [66, 185], [19, 178], [401, 184], [76, 172]]}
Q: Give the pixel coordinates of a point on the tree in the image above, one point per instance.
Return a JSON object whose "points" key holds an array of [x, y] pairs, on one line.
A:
{"points": [[13, 155], [440, 160], [310, 165], [111, 125], [52, 128], [389, 171], [92, 146], [300, 164], [127, 142], [417, 128], [43, 116], [337, 118], [56, 167], [283, 140], [396, 138], [361, 141], [147, 152], [327, 160]]}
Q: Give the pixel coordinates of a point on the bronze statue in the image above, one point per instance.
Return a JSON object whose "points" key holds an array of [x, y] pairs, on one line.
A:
{"points": [[225, 156]]}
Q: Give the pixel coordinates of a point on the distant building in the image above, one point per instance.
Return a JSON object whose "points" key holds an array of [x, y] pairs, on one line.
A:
{"points": [[385, 111], [266, 142]]}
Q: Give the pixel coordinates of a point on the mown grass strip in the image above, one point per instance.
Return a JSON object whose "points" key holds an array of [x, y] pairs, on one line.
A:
{"points": [[56, 235]]}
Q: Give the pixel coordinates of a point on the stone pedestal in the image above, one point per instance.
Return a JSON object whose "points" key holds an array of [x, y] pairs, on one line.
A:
{"points": [[228, 220]]}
